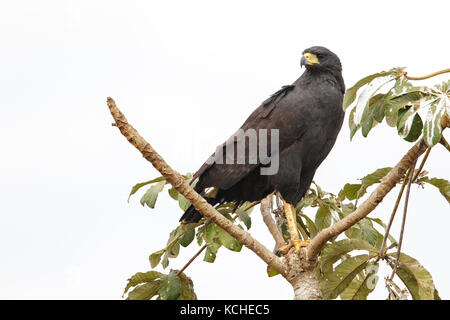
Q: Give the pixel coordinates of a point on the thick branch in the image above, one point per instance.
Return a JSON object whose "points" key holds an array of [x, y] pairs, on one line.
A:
{"points": [[388, 183], [177, 181], [270, 223]]}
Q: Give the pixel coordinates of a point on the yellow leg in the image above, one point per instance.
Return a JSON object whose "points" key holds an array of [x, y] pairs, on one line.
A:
{"points": [[290, 214]]}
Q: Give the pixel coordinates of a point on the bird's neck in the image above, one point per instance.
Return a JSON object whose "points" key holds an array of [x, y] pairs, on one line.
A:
{"points": [[321, 75]]}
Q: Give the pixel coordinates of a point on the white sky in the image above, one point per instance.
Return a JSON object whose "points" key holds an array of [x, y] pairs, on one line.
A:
{"points": [[186, 74]]}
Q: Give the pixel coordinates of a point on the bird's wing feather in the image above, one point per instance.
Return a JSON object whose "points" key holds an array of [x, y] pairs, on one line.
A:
{"points": [[266, 116]]}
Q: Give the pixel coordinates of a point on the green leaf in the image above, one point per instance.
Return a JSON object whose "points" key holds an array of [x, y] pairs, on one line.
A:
{"points": [[442, 184], [170, 287], [350, 94], [410, 125], [140, 185], [173, 193], [363, 284], [245, 218], [142, 277], [351, 191], [271, 272], [227, 240], [155, 257], [183, 203], [165, 260], [371, 179], [415, 277], [211, 252], [338, 280], [150, 196], [368, 118], [186, 288], [323, 218], [187, 238], [432, 128], [310, 225], [145, 291], [334, 251]]}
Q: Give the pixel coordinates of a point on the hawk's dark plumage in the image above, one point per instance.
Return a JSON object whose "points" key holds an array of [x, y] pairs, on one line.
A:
{"points": [[308, 114]]}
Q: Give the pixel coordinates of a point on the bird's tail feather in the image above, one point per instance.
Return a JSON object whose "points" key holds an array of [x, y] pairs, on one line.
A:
{"points": [[191, 215]]}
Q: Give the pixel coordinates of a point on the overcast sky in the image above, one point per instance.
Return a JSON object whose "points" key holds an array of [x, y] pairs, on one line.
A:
{"points": [[186, 74]]}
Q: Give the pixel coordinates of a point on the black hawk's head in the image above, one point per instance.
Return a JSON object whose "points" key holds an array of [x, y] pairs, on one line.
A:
{"points": [[320, 58]]}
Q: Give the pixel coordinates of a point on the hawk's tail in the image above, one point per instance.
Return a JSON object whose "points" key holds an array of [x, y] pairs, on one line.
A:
{"points": [[191, 215]]}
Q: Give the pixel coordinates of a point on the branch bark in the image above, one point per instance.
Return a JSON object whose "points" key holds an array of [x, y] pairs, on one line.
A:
{"points": [[270, 223], [177, 181], [388, 183]]}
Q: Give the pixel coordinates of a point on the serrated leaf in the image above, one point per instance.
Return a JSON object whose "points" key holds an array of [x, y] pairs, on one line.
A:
{"points": [[334, 251], [136, 187], [334, 282], [151, 195], [170, 287], [145, 291], [415, 277]]}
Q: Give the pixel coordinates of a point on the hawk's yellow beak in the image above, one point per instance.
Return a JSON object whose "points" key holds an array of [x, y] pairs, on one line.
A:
{"points": [[309, 59]]}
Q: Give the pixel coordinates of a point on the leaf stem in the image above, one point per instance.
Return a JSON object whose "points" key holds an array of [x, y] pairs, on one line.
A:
{"points": [[425, 157], [394, 211], [427, 76], [444, 143], [405, 211], [192, 259]]}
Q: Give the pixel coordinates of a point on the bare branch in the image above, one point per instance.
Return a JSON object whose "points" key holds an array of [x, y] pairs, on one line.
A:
{"points": [[270, 223], [405, 211], [177, 181], [388, 183]]}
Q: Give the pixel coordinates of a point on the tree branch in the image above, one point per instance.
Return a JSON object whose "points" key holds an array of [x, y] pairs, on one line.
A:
{"points": [[177, 181], [388, 183], [270, 223]]}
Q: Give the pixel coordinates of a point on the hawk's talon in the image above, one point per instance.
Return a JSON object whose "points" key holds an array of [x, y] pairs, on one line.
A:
{"points": [[296, 243]]}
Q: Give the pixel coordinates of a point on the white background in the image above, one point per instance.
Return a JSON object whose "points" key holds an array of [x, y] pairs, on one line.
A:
{"points": [[186, 74]]}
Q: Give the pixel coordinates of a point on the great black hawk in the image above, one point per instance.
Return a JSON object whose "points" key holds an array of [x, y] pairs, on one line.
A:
{"points": [[308, 115]]}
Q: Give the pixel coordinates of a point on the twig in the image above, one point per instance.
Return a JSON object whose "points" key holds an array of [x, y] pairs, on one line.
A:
{"points": [[405, 211], [444, 143], [180, 184], [394, 211], [270, 223], [388, 183], [427, 76], [192, 259], [425, 157]]}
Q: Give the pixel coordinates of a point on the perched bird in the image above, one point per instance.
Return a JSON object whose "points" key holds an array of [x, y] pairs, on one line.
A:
{"points": [[304, 118]]}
